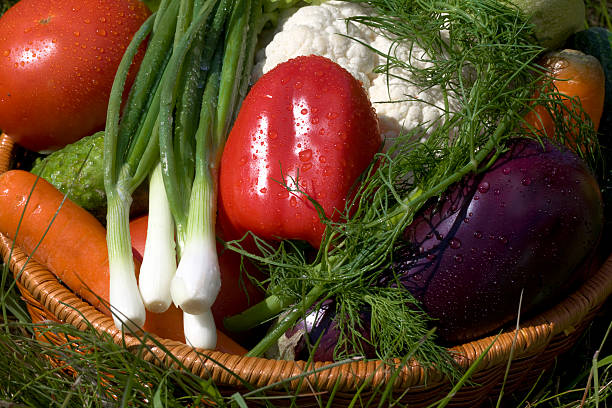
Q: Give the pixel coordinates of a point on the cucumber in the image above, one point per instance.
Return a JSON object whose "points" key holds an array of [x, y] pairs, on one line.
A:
{"points": [[78, 171]]}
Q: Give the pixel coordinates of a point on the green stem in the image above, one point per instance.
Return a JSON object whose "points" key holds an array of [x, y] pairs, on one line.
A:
{"points": [[287, 321], [125, 300], [153, 5], [263, 311], [111, 164], [149, 157], [415, 201], [147, 80], [168, 159], [233, 65], [118, 232], [255, 26]]}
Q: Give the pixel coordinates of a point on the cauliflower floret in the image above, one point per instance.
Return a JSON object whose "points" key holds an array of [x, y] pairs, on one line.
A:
{"points": [[401, 105], [323, 30]]}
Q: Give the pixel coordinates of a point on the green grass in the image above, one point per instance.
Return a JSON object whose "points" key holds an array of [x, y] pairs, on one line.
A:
{"points": [[91, 371], [94, 372], [599, 13]]}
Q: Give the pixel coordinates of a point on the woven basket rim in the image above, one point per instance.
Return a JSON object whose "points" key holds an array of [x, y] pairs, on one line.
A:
{"points": [[532, 337]]}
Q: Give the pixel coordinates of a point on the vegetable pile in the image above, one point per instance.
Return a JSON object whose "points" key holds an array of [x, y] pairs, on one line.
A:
{"points": [[392, 185]]}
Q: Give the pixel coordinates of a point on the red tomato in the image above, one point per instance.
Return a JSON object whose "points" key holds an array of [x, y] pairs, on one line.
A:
{"points": [[59, 59], [138, 235], [237, 292], [307, 120]]}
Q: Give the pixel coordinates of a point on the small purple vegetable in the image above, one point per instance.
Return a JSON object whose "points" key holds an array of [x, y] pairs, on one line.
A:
{"points": [[319, 329], [527, 223]]}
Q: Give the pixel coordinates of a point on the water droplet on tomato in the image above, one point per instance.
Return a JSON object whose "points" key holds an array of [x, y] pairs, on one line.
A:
{"points": [[293, 201], [101, 32], [304, 111], [506, 170], [477, 234], [6, 53], [526, 181], [76, 33], [331, 115], [305, 155], [263, 190], [306, 166], [322, 159]]}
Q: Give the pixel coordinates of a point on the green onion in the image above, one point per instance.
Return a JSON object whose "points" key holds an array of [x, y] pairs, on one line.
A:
{"points": [[159, 263], [125, 301], [194, 73]]}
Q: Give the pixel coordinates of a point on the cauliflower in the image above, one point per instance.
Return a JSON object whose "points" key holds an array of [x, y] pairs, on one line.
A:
{"points": [[323, 30]]}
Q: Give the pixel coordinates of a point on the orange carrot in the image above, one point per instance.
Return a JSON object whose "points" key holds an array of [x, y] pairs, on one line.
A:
{"points": [[71, 243], [575, 75], [73, 248]]}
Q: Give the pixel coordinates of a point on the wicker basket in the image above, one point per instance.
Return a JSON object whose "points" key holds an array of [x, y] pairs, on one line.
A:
{"points": [[537, 344]]}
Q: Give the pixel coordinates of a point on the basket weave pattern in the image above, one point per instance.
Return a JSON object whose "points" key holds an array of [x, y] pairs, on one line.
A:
{"points": [[536, 345]]}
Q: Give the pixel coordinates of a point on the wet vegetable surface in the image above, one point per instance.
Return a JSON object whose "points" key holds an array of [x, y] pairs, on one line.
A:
{"points": [[58, 64], [306, 131], [526, 224]]}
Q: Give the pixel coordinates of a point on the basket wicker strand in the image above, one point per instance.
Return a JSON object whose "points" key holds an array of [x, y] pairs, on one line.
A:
{"points": [[533, 347]]}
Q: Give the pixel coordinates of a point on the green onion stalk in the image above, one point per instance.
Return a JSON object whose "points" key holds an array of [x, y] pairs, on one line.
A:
{"points": [[121, 177], [172, 130], [159, 260], [191, 180]]}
